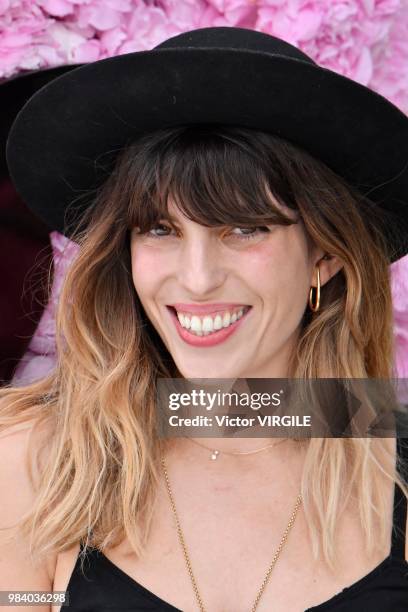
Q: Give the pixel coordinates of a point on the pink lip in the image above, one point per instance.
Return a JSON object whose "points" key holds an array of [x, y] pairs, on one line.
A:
{"points": [[210, 340], [202, 309]]}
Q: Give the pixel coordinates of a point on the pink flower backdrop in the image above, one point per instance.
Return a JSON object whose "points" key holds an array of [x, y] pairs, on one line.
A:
{"points": [[366, 40]]}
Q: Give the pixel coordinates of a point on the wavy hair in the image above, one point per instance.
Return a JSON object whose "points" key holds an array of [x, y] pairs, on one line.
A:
{"points": [[100, 468]]}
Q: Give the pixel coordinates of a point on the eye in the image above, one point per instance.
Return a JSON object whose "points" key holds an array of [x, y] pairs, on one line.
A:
{"points": [[255, 232], [264, 229], [166, 227]]}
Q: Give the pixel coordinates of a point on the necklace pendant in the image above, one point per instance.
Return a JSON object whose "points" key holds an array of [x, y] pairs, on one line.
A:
{"points": [[214, 455]]}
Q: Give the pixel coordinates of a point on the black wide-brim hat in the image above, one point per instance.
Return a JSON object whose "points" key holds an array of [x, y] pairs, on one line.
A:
{"points": [[65, 138], [14, 93]]}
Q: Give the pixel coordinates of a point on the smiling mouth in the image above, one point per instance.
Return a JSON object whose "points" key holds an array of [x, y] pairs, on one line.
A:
{"points": [[208, 325]]}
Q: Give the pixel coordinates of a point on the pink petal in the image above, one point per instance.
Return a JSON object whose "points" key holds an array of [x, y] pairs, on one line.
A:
{"points": [[59, 8], [100, 17], [87, 52], [364, 68], [4, 6]]}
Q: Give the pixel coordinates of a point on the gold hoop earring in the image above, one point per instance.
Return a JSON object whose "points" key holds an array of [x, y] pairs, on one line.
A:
{"points": [[315, 307]]}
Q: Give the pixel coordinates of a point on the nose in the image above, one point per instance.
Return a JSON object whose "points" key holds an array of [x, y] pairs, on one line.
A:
{"points": [[201, 266]]}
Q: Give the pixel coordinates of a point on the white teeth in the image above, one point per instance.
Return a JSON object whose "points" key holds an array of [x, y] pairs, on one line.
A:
{"points": [[218, 322], [184, 320], [207, 325], [195, 324]]}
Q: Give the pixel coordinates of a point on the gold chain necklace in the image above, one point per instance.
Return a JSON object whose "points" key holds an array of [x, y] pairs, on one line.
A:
{"points": [[214, 453], [187, 558]]}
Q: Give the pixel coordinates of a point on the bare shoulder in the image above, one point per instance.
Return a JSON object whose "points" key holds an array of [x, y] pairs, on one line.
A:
{"points": [[18, 445], [17, 571]]}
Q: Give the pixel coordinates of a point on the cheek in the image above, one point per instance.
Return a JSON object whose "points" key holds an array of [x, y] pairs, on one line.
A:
{"points": [[265, 265], [146, 268], [278, 271]]}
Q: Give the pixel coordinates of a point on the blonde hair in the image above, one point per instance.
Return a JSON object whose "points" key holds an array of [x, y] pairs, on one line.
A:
{"points": [[98, 480]]}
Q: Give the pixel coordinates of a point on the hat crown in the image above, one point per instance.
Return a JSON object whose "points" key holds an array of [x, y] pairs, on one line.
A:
{"points": [[234, 38]]}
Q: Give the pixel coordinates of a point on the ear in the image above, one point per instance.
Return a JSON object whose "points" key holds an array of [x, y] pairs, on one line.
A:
{"points": [[328, 265]]}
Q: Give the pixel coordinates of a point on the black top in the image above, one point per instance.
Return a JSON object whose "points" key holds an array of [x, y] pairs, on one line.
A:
{"points": [[385, 589]]}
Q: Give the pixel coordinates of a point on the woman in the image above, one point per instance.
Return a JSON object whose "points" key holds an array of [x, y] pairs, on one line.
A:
{"points": [[209, 208]]}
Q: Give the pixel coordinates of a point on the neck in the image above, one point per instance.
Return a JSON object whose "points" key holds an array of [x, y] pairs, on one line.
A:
{"points": [[236, 445], [201, 449], [281, 462]]}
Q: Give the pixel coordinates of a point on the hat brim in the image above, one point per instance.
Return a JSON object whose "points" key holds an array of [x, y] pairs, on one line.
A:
{"points": [[66, 136], [14, 93]]}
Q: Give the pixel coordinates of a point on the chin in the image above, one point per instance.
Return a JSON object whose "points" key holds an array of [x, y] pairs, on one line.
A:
{"points": [[212, 370]]}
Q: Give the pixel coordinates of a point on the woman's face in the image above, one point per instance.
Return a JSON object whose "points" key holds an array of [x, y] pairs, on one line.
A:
{"points": [[222, 271]]}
